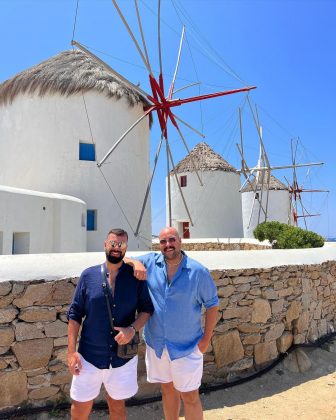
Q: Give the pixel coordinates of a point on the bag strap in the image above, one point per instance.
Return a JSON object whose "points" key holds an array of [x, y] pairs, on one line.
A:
{"points": [[105, 290]]}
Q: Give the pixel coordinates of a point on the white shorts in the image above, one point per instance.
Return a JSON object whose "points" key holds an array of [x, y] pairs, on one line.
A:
{"points": [[120, 383], [185, 373]]}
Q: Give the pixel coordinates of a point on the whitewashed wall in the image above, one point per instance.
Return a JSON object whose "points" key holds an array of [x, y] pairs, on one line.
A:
{"points": [[278, 209], [215, 208], [40, 222], [39, 150]]}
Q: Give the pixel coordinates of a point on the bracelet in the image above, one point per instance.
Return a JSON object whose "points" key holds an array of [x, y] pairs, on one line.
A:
{"points": [[132, 326]]}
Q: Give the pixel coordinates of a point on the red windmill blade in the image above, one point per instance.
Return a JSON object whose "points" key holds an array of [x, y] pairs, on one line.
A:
{"points": [[159, 101]]}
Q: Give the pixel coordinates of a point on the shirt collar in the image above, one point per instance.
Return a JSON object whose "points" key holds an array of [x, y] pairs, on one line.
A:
{"points": [[185, 262]]}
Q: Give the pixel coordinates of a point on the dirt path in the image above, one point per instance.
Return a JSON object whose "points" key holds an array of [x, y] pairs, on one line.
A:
{"points": [[277, 395]]}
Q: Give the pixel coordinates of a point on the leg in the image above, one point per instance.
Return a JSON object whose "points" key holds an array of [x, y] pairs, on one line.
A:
{"points": [[171, 401], [81, 410], [192, 405], [116, 408]]}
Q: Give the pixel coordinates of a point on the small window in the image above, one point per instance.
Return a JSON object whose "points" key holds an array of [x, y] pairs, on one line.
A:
{"points": [[87, 151], [183, 180], [83, 220], [20, 244], [91, 220]]}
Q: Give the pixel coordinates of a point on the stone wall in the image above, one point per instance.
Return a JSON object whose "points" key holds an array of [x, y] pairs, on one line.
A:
{"points": [[262, 312], [219, 246]]}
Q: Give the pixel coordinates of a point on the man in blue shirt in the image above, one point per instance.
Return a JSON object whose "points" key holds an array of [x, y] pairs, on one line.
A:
{"points": [[179, 287], [96, 362]]}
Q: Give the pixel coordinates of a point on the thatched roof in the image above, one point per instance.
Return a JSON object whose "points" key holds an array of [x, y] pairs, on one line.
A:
{"points": [[275, 184], [68, 73], [205, 159]]}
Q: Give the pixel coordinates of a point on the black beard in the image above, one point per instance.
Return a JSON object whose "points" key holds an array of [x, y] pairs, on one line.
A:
{"points": [[112, 259]]}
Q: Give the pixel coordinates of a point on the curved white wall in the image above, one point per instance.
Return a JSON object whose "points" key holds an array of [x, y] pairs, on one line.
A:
{"points": [[39, 149], [215, 208], [40, 222], [278, 209]]}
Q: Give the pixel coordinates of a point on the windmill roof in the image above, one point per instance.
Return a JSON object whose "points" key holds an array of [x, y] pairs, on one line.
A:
{"points": [[275, 184], [67, 73], [205, 159]]}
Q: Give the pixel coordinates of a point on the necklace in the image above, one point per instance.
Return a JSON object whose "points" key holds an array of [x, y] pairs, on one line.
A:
{"points": [[182, 256]]}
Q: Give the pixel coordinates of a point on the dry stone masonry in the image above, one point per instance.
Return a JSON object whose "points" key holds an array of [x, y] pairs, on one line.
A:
{"points": [[262, 312]]}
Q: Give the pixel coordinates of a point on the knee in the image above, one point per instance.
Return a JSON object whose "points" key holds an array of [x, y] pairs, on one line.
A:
{"points": [[168, 389], [191, 397], [80, 410]]}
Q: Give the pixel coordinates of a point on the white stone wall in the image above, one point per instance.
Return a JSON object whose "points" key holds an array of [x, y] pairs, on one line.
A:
{"points": [[215, 208], [46, 222], [279, 206], [39, 150]]}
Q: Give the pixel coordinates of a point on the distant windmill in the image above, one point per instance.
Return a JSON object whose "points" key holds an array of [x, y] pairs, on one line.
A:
{"points": [[260, 183]]}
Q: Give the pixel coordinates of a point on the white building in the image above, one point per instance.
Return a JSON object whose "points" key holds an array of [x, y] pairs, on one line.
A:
{"points": [[57, 120], [215, 207], [32, 222], [278, 204]]}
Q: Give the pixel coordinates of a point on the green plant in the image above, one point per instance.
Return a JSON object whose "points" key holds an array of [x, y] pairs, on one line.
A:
{"points": [[283, 236]]}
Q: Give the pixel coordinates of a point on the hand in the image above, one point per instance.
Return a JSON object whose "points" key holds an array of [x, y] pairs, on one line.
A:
{"points": [[74, 363], [124, 335], [139, 270], [203, 344]]}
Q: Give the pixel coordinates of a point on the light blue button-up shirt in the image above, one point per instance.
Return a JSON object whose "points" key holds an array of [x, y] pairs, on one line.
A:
{"points": [[176, 321]]}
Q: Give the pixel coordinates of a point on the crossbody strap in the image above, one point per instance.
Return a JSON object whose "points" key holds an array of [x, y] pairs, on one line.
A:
{"points": [[105, 290]]}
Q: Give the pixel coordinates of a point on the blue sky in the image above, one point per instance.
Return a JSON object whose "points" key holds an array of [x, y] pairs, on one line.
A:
{"points": [[285, 48]]}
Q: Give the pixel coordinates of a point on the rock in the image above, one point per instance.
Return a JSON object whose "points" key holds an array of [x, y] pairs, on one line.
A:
{"points": [[56, 329], [252, 339], [45, 392], [284, 342], [38, 314], [6, 301], [242, 313], [226, 291], [285, 292], [8, 314], [243, 279], [17, 288], [248, 328], [265, 352], [24, 331], [13, 388], [270, 294], [32, 354], [6, 336], [227, 348], [61, 294], [4, 349], [36, 372], [297, 361], [243, 364], [5, 288], [35, 294], [261, 311], [61, 378], [62, 341], [293, 311], [277, 306], [3, 363], [302, 323], [275, 332]]}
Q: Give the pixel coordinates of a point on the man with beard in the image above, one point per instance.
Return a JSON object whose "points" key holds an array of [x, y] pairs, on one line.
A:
{"points": [[96, 362], [175, 341]]}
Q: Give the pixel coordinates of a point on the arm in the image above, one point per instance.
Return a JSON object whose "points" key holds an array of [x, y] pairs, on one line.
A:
{"points": [[210, 323], [74, 362], [139, 269], [125, 335]]}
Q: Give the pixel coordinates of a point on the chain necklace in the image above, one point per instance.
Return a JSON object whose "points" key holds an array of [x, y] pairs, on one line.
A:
{"points": [[182, 256]]}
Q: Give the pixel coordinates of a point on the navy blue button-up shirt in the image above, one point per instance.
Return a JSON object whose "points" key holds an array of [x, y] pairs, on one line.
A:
{"points": [[97, 344], [176, 321]]}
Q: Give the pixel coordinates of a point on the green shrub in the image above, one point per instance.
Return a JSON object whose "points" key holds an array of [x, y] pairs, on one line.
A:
{"points": [[283, 236]]}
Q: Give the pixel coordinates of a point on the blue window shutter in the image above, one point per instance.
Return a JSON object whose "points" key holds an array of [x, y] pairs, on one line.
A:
{"points": [[91, 221], [87, 151]]}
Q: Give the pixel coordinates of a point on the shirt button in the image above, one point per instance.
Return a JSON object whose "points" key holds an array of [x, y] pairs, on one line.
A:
{"points": [[114, 305], [112, 319]]}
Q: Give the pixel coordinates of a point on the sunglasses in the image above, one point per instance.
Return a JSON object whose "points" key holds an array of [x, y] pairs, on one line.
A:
{"points": [[115, 244], [169, 240]]}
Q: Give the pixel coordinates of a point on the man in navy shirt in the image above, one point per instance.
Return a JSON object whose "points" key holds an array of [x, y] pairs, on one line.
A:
{"points": [[179, 288], [96, 362]]}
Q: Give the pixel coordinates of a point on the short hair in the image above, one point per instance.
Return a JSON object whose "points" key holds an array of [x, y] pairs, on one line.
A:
{"points": [[118, 232]]}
